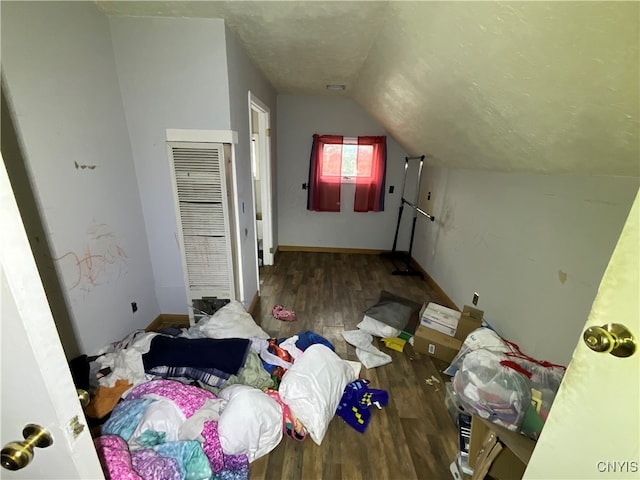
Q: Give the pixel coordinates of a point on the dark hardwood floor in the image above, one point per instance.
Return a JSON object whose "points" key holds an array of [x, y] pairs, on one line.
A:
{"points": [[413, 437]]}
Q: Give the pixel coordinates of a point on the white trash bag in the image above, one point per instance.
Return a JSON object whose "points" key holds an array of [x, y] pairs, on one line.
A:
{"points": [[491, 389]]}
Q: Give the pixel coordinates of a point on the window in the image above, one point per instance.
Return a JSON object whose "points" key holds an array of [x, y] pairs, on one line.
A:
{"points": [[336, 160], [348, 160]]}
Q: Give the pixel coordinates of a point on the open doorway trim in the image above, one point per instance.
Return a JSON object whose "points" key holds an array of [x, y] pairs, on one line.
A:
{"points": [[264, 145]]}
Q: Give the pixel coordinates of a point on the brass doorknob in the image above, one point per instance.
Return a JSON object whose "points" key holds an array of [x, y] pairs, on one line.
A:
{"points": [[17, 455], [612, 338], [83, 397]]}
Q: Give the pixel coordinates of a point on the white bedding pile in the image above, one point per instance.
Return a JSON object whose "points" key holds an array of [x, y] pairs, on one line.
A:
{"points": [[313, 387], [249, 421], [231, 321]]}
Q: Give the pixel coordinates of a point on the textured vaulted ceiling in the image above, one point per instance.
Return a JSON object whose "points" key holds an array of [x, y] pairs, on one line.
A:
{"points": [[547, 87]]}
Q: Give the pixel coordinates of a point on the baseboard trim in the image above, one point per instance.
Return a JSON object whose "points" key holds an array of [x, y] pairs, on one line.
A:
{"points": [[297, 248], [433, 284], [165, 320]]}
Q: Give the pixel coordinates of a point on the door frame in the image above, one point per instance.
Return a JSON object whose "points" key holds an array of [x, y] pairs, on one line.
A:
{"points": [[264, 148]]}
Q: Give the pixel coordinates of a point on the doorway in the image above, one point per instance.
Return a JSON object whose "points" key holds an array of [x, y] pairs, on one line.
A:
{"points": [[260, 121]]}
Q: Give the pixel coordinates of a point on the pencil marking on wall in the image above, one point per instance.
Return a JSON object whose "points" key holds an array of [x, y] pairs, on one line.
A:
{"points": [[562, 276], [83, 166], [102, 261]]}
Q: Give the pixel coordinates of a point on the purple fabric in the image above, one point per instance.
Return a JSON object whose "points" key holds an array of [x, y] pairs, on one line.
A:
{"points": [[115, 458], [187, 397], [241, 474], [221, 462], [152, 466], [120, 464], [239, 463], [211, 446]]}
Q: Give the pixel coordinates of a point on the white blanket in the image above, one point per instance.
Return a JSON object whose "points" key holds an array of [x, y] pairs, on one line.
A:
{"points": [[369, 355]]}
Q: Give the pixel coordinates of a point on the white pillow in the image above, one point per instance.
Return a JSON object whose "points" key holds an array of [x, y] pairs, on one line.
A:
{"points": [[313, 387], [163, 416], [377, 328], [355, 366], [251, 422], [231, 321]]}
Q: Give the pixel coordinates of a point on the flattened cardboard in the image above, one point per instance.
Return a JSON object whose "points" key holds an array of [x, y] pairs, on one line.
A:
{"points": [[466, 325], [511, 462], [470, 319], [473, 312]]}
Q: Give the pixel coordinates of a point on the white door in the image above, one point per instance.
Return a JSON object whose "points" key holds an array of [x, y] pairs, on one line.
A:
{"points": [[36, 382], [593, 429]]}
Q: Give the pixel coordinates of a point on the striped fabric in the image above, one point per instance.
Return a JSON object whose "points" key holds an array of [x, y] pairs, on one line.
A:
{"points": [[209, 376]]}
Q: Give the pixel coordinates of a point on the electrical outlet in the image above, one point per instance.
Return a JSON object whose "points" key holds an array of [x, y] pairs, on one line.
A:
{"points": [[476, 297], [134, 307]]}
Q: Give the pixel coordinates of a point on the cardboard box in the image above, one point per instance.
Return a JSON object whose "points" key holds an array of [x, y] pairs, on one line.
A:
{"points": [[466, 326], [451, 322], [473, 312], [440, 345], [439, 318], [436, 344], [511, 461]]}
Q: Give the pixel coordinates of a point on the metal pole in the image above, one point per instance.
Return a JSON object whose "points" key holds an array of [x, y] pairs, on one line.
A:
{"points": [[404, 179]]}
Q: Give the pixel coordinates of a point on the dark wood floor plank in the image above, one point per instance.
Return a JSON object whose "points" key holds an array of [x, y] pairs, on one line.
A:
{"points": [[413, 437]]}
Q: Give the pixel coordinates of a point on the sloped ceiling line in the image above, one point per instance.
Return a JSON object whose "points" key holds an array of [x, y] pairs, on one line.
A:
{"points": [[542, 87]]}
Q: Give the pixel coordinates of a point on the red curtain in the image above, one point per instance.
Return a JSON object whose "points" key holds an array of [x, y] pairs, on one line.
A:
{"points": [[324, 189], [369, 195]]}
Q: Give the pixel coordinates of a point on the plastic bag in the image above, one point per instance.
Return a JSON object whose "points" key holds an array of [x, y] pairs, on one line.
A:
{"points": [[491, 389], [544, 379], [480, 338]]}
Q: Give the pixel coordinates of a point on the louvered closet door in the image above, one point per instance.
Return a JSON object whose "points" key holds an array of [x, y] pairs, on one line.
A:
{"points": [[203, 217]]}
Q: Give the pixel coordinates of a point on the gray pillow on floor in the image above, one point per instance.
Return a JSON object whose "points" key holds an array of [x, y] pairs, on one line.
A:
{"points": [[393, 310]]}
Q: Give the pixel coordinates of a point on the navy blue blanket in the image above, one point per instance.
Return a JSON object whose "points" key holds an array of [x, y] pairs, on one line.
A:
{"points": [[226, 354]]}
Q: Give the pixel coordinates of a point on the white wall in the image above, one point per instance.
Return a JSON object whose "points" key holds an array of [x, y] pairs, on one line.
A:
{"points": [[245, 77], [597, 381], [172, 74], [299, 117], [59, 67], [533, 246]]}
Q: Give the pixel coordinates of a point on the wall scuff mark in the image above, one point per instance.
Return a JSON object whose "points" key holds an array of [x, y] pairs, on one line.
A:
{"points": [[562, 276], [83, 166]]}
